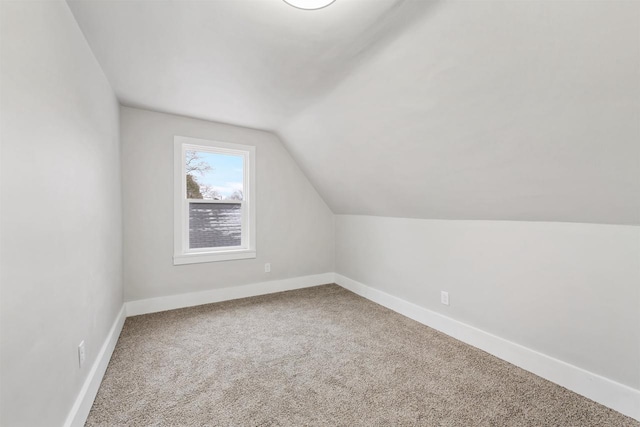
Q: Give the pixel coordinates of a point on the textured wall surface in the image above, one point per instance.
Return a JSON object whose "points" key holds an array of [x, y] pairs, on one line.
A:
{"points": [[294, 225], [569, 291], [61, 246]]}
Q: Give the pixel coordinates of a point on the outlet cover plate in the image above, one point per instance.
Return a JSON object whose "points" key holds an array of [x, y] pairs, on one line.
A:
{"points": [[444, 297]]}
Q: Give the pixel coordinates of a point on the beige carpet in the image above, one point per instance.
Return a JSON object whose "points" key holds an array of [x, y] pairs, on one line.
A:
{"points": [[319, 356]]}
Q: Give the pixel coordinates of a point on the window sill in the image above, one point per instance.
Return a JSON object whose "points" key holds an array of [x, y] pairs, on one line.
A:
{"points": [[196, 258]]}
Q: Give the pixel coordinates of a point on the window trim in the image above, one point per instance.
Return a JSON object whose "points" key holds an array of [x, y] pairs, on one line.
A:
{"points": [[182, 254]]}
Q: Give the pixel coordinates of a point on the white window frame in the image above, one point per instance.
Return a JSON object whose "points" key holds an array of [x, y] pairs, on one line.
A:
{"points": [[182, 254]]}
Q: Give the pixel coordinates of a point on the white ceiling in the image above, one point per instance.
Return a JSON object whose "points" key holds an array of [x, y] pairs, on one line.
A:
{"points": [[505, 110], [247, 62]]}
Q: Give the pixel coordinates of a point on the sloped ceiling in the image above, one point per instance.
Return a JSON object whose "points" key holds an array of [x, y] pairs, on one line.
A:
{"points": [[246, 62], [503, 110]]}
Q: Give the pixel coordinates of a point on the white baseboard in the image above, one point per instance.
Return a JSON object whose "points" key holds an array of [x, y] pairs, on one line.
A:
{"points": [[81, 407], [153, 305], [619, 397], [609, 393]]}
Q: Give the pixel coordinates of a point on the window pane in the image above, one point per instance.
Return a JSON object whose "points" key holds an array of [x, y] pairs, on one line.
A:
{"points": [[213, 176], [214, 225]]}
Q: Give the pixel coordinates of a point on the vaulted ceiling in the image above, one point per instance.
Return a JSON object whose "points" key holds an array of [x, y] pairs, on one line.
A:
{"points": [[501, 110], [247, 62]]}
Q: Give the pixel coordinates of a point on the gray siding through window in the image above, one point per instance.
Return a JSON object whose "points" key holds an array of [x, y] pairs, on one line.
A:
{"points": [[213, 225]]}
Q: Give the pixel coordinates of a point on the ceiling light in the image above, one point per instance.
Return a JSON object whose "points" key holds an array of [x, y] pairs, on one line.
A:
{"points": [[309, 4]]}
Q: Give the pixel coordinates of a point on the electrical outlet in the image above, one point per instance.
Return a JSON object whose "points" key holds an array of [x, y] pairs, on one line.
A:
{"points": [[81, 354], [444, 297], [267, 267]]}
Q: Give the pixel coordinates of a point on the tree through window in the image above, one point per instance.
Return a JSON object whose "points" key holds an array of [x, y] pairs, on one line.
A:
{"points": [[213, 211]]}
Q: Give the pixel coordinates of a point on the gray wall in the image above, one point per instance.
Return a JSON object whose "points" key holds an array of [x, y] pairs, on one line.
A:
{"points": [[294, 225], [570, 291], [60, 256]]}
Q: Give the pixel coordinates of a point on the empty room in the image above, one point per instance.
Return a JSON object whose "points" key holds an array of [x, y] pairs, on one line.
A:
{"points": [[319, 213]]}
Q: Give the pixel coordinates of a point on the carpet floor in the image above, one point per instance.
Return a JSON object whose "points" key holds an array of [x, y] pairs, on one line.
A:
{"points": [[315, 357]]}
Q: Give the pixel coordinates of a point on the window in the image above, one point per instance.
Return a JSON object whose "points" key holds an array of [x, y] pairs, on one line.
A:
{"points": [[214, 201]]}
